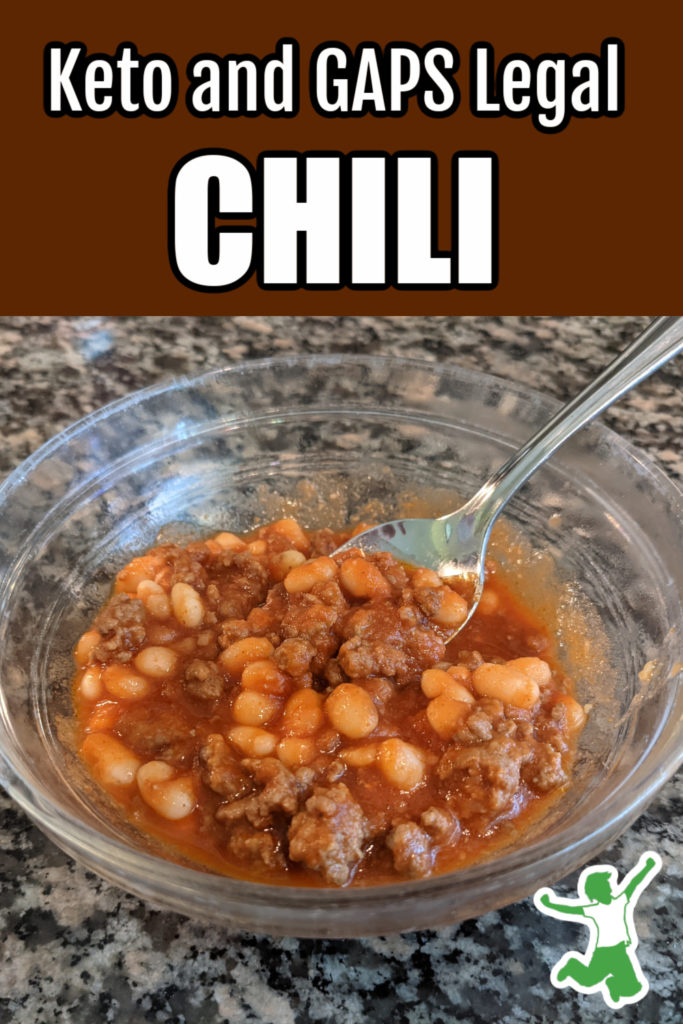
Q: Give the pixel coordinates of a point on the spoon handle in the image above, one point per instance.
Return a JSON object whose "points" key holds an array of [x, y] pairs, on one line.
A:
{"points": [[660, 341]]}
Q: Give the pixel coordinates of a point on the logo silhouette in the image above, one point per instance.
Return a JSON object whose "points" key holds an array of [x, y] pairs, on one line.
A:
{"points": [[609, 965]]}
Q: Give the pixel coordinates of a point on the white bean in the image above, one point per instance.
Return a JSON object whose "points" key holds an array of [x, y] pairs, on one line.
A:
{"points": [[361, 578], [159, 606], [263, 675], [452, 611], [425, 578], [576, 715], [351, 711], [122, 682], [90, 685], [288, 560], [445, 713], [157, 662], [437, 681], [230, 542], [254, 708], [132, 575], [505, 683], [148, 587], [155, 599], [303, 714], [305, 576], [172, 798], [110, 761], [401, 763], [253, 741], [295, 750], [290, 529], [239, 654], [85, 647], [188, 607], [360, 757], [534, 668]]}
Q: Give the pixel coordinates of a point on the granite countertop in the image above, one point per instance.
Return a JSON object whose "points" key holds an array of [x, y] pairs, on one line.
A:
{"points": [[77, 949]]}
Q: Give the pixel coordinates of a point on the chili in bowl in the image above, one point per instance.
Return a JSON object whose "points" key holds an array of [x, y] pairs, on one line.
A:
{"points": [[300, 716]]}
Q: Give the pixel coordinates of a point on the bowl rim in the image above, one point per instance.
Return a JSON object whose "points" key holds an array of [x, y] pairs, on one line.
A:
{"points": [[180, 877], [317, 359]]}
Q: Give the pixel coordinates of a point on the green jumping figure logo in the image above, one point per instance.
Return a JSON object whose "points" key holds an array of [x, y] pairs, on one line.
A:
{"points": [[609, 965]]}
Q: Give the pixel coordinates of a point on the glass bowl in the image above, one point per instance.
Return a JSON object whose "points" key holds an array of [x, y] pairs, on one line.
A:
{"points": [[594, 541]]}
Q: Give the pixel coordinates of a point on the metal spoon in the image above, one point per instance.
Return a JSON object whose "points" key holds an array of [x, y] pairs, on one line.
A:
{"points": [[455, 544]]}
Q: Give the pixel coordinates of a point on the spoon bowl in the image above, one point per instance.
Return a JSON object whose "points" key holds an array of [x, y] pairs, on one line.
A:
{"points": [[450, 545]]}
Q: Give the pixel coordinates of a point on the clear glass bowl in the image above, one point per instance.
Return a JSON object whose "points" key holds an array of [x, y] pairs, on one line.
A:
{"points": [[597, 536]]}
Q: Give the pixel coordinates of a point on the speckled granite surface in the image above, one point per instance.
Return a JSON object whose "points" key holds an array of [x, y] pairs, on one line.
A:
{"points": [[76, 949]]}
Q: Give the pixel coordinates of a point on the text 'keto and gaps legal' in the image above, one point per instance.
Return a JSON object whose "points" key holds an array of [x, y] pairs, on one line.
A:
{"points": [[330, 219], [380, 81]]}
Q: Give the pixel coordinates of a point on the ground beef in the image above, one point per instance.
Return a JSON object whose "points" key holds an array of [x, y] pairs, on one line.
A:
{"points": [[185, 565], [334, 674], [375, 644], [263, 622], [232, 630], [294, 656], [391, 569], [409, 613], [328, 741], [482, 721], [323, 542], [412, 849], [221, 770], [121, 626], [544, 770], [470, 659], [552, 728], [477, 727], [207, 645], [381, 690], [330, 593], [157, 733], [313, 618], [360, 658], [322, 770], [239, 583], [251, 844], [279, 792], [204, 680], [426, 648], [381, 644], [328, 835], [489, 717], [484, 778], [309, 618], [440, 824], [428, 600]]}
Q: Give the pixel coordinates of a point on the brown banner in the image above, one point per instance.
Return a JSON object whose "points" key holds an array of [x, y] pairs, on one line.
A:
{"points": [[584, 217]]}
